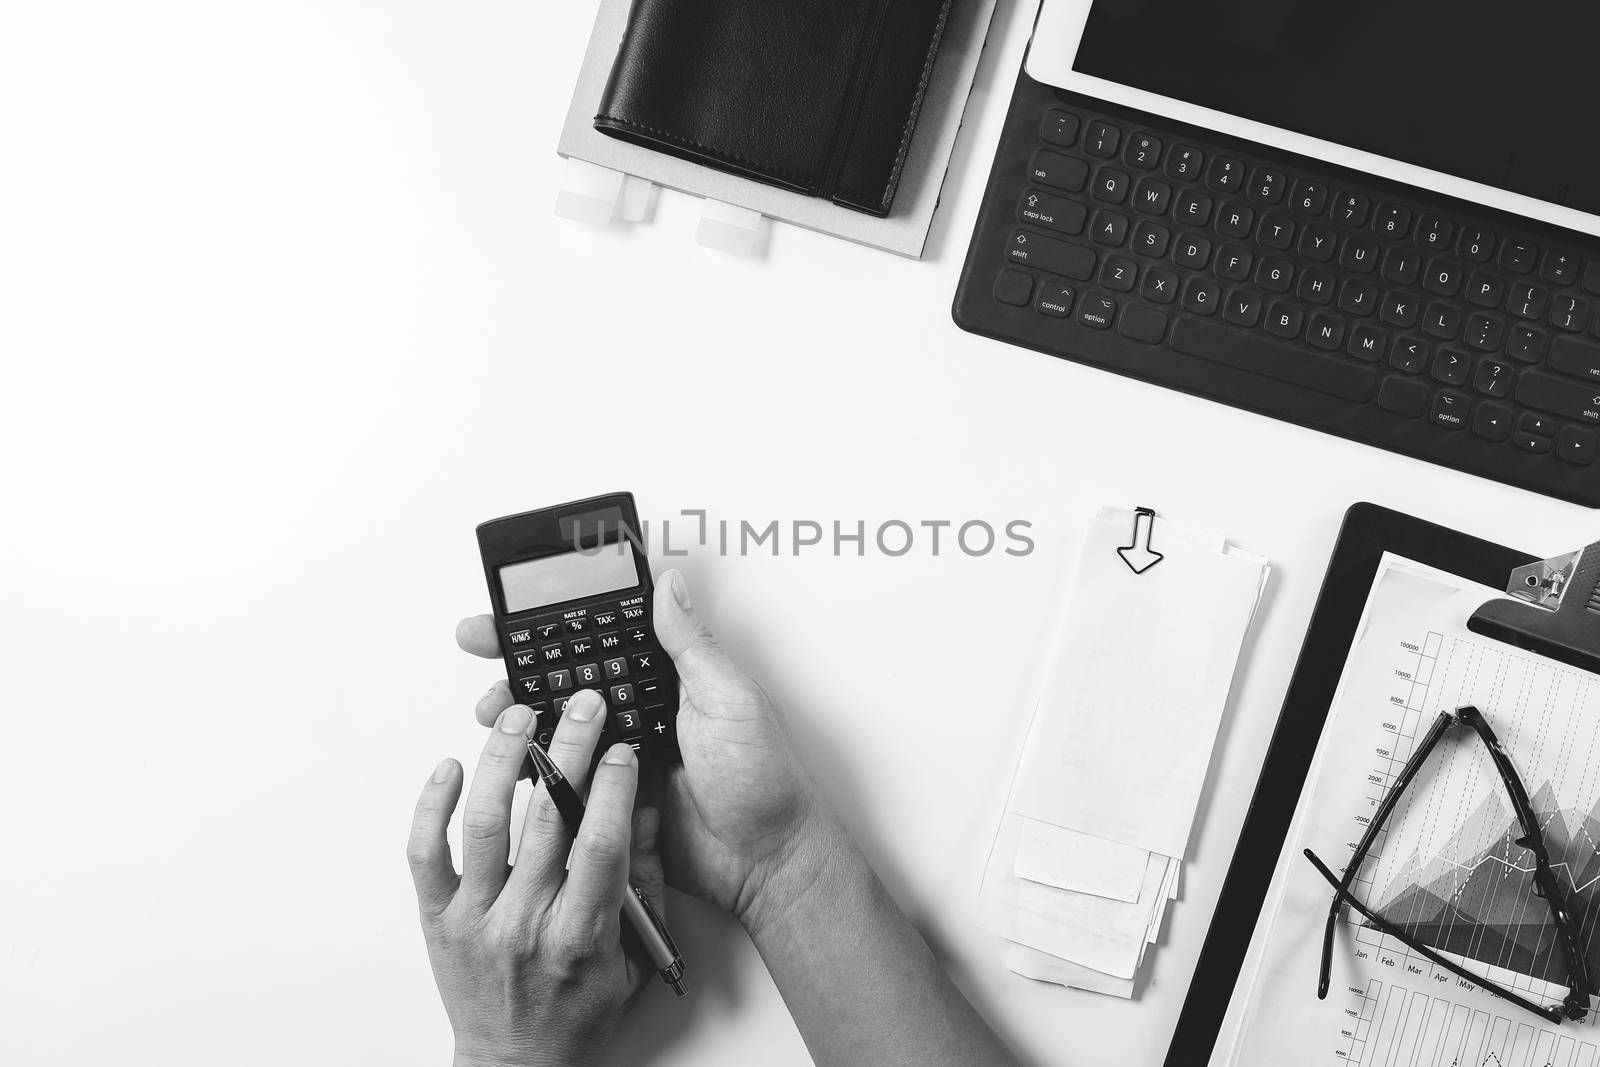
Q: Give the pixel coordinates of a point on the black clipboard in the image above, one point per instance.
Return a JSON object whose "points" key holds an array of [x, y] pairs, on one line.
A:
{"points": [[1367, 533]]}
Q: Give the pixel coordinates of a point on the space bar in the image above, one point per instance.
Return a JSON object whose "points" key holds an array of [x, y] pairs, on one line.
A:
{"points": [[1286, 363]]}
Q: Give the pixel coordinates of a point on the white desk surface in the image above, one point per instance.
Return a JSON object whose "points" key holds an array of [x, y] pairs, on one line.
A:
{"points": [[284, 312]]}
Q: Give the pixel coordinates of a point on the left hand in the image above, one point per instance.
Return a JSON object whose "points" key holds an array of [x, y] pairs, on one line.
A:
{"points": [[529, 959]]}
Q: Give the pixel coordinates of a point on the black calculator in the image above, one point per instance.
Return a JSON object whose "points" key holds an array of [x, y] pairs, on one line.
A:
{"points": [[572, 595]]}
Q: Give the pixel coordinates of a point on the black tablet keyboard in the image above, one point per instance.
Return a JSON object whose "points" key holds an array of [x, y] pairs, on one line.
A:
{"points": [[1328, 297]]}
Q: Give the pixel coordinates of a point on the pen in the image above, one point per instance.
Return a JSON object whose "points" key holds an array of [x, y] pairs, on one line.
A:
{"points": [[644, 919]]}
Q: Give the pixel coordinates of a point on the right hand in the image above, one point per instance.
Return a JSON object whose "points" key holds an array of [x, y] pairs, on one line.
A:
{"points": [[743, 826]]}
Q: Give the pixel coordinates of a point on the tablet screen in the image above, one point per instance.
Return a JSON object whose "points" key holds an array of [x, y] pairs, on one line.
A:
{"points": [[1494, 93]]}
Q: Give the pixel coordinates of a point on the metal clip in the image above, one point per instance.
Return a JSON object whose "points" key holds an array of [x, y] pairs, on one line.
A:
{"points": [[1138, 554]]}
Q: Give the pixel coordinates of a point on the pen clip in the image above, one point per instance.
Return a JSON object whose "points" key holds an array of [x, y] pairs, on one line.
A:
{"points": [[661, 927]]}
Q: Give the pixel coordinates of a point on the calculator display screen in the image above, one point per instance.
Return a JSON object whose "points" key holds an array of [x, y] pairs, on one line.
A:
{"points": [[1494, 92], [536, 583]]}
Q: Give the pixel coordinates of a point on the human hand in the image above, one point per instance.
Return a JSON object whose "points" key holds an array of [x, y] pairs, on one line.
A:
{"points": [[743, 825], [529, 959]]}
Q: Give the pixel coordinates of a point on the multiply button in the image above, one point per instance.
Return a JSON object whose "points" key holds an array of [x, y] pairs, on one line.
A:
{"points": [[548, 630], [645, 662]]}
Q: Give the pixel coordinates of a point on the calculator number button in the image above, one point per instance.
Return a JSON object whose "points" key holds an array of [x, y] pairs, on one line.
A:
{"points": [[559, 680], [628, 722], [622, 695], [587, 673], [553, 653], [617, 668], [610, 642]]}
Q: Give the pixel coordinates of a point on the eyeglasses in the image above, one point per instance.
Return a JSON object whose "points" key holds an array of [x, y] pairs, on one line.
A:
{"points": [[1576, 1005]]}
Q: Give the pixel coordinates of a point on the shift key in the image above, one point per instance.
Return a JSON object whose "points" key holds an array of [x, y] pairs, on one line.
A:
{"points": [[1050, 255], [1559, 396]]}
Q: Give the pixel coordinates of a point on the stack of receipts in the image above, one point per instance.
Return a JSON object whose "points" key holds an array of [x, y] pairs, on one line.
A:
{"points": [[1090, 849]]}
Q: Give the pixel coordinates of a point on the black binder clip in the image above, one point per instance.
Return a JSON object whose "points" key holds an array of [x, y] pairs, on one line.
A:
{"points": [[1138, 554], [1553, 609]]}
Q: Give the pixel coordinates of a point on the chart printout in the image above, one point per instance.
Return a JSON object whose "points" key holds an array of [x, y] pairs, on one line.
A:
{"points": [[1446, 867]]}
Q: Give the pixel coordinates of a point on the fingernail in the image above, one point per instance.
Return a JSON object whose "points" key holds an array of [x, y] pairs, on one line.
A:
{"points": [[441, 772], [489, 692], [515, 719], [680, 592], [584, 705], [619, 755]]}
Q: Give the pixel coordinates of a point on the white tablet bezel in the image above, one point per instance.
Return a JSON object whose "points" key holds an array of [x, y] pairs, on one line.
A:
{"points": [[1055, 44]]}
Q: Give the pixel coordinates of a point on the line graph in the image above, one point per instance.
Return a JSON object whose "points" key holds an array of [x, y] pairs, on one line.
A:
{"points": [[1398, 1027]]}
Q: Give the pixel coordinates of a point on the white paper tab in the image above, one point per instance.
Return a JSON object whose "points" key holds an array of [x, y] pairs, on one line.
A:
{"points": [[638, 199], [735, 230], [589, 193], [1067, 859]]}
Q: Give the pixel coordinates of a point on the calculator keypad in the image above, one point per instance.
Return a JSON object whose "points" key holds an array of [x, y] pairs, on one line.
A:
{"points": [[608, 647]]}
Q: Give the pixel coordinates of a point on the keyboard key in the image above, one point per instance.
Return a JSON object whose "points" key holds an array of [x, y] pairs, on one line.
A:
{"points": [[1485, 289], [580, 646], [1576, 445], [1442, 321], [1409, 355], [1591, 277], [616, 667], [1052, 212], [1152, 197], [1538, 425], [1109, 228], [1442, 277], [1526, 344], [1276, 232], [519, 637], [1275, 275], [586, 673], [1318, 243], [1434, 231], [1403, 396], [1451, 367], [1201, 296], [1234, 219], [1143, 324], [1184, 163], [644, 662], [1160, 285], [1233, 263], [1527, 301], [1569, 313], [1483, 333], [1267, 186], [1492, 422], [1476, 244], [1284, 319], [1310, 197], [1399, 309], [1143, 151], [1097, 311], [1242, 308], [1368, 343], [1013, 287], [1392, 221], [1316, 286], [1529, 443], [1226, 175], [1357, 297], [1119, 274], [1192, 251], [1326, 332], [610, 641], [1560, 396], [1059, 128], [1575, 358], [1359, 254], [1450, 410], [1351, 209], [1058, 171], [1051, 256], [1110, 185], [1518, 256], [1102, 139], [1284, 363], [1055, 300], [1151, 239], [530, 686], [1193, 209], [577, 626], [553, 654], [559, 680], [1559, 267], [1401, 267], [1492, 379]]}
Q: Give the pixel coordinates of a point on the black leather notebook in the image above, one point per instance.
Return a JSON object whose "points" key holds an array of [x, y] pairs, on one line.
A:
{"points": [[817, 96]]}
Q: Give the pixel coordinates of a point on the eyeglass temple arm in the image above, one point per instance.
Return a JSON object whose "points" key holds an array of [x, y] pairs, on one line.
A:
{"points": [[1555, 1015]]}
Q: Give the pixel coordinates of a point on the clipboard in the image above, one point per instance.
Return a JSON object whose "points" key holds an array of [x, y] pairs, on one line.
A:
{"points": [[1368, 531]]}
